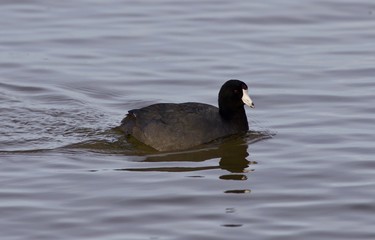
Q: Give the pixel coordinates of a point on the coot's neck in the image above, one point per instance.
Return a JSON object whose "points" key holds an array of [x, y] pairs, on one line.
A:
{"points": [[235, 116]]}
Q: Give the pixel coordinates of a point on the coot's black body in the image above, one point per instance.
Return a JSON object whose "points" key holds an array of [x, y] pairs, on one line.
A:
{"points": [[171, 127]]}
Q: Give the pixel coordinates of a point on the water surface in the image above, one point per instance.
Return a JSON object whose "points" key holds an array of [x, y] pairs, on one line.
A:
{"points": [[71, 70]]}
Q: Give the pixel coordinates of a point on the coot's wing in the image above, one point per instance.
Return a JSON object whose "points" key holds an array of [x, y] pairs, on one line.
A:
{"points": [[168, 126]]}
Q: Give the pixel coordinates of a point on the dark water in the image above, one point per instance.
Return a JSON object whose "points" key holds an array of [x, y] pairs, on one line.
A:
{"points": [[71, 69]]}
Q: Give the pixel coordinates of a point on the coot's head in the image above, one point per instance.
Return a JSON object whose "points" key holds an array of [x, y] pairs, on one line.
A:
{"points": [[233, 96]]}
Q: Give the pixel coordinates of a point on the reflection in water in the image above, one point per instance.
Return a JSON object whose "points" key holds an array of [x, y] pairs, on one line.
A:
{"points": [[232, 152], [238, 191]]}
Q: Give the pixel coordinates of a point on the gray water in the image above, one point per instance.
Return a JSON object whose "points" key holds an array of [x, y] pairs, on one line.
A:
{"points": [[70, 70]]}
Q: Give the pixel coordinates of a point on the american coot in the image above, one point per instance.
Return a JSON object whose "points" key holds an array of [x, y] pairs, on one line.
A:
{"points": [[171, 127]]}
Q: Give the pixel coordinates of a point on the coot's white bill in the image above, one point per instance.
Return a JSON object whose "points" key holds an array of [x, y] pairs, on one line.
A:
{"points": [[246, 98]]}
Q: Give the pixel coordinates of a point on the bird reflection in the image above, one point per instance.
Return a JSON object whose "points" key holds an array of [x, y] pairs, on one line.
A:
{"points": [[232, 154]]}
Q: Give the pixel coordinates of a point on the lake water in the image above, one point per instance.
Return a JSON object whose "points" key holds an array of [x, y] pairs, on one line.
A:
{"points": [[70, 70]]}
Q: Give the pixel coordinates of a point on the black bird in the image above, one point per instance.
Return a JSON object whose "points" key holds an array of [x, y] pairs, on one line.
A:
{"points": [[172, 127]]}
